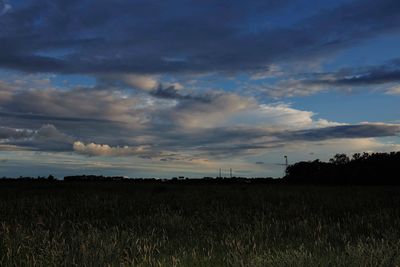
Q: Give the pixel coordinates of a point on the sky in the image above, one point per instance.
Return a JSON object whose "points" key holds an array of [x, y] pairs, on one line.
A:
{"points": [[149, 88]]}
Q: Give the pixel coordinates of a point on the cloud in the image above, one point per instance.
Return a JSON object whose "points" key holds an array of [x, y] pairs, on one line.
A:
{"points": [[208, 110], [253, 140], [289, 88], [50, 132], [270, 72], [46, 138], [81, 107], [140, 81], [228, 109], [181, 127], [93, 149], [365, 130], [11, 148], [245, 37], [172, 92], [280, 115], [135, 81], [395, 90], [361, 76], [4, 7], [7, 133], [305, 84]]}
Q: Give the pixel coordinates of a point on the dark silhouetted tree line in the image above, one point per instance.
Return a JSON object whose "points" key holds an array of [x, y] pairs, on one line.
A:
{"points": [[373, 169], [93, 178], [28, 178]]}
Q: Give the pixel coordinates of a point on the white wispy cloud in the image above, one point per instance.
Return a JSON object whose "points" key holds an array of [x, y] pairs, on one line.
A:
{"points": [[395, 90]]}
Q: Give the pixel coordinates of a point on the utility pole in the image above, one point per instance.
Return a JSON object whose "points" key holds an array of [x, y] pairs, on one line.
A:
{"points": [[231, 172], [220, 176]]}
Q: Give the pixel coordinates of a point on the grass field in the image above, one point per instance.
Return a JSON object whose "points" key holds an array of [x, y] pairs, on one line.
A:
{"points": [[123, 224]]}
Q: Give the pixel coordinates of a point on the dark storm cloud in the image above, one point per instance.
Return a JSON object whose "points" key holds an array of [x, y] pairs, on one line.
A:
{"points": [[12, 133], [386, 73], [46, 138], [171, 93], [178, 36], [47, 119], [32, 63], [343, 131]]}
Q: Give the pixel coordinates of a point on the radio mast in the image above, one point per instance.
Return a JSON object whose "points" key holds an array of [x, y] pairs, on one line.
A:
{"points": [[286, 165]]}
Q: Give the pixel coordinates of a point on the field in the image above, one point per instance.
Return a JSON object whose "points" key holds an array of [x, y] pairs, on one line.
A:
{"points": [[155, 224]]}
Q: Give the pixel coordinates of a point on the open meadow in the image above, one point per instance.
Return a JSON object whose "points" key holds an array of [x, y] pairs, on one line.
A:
{"points": [[164, 224]]}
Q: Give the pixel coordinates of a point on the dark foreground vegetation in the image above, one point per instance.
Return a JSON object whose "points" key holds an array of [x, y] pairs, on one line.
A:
{"points": [[58, 223]]}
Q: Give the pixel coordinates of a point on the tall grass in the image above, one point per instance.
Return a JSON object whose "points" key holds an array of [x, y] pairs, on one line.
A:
{"points": [[120, 224]]}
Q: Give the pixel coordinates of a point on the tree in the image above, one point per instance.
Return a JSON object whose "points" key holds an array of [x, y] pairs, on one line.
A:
{"points": [[356, 156], [340, 159]]}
